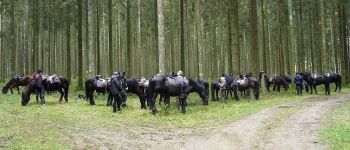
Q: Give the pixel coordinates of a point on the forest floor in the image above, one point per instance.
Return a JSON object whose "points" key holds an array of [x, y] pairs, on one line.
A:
{"points": [[277, 121]]}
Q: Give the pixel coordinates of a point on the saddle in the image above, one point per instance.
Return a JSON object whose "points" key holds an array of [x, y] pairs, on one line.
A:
{"points": [[242, 81], [101, 83], [53, 79], [178, 81]]}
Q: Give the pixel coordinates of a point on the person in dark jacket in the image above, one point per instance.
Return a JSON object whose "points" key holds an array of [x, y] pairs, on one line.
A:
{"points": [[38, 85], [298, 80], [117, 92]]}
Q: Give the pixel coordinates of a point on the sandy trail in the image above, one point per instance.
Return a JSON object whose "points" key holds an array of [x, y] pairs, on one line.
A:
{"points": [[293, 125]]}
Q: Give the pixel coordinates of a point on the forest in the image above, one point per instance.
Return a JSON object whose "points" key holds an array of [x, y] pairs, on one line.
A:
{"points": [[204, 38]]}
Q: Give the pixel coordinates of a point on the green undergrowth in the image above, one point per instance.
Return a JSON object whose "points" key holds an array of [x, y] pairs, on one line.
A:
{"points": [[337, 131], [35, 126]]}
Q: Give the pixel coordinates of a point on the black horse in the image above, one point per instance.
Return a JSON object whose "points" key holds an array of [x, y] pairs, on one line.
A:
{"points": [[336, 79], [30, 88], [314, 80], [92, 85], [245, 84], [57, 83], [49, 83], [167, 86], [201, 87], [135, 86], [215, 87], [277, 82], [15, 82]]}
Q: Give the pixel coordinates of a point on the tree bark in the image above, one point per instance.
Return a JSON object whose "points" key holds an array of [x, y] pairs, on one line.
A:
{"points": [[80, 45], [161, 43]]}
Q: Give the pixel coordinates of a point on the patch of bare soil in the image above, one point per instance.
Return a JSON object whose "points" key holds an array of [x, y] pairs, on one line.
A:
{"points": [[296, 129], [293, 125]]}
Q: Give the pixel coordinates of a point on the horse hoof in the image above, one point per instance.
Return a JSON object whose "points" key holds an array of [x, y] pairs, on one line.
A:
{"points": [[154, 112]]}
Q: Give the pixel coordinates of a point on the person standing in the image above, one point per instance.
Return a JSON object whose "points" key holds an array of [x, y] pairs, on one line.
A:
{"points": [[38, 85], [298, 80]]}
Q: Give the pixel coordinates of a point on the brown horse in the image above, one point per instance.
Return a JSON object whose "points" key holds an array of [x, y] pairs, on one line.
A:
{"points": [[277, 81], [244, 85], [15, 82]]}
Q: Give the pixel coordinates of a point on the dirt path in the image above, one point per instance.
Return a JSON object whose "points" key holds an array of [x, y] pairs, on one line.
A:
{"points": [[290, 126], [293, 125]]}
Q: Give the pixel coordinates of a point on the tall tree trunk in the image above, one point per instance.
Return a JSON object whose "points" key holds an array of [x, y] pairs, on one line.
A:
{"points": [[91, 62], [110, 35], [80, 45], [161, 43], [98, 37], [182, 38], [199, 40], [325, 63], [141, 51], [13, 39], [68, 52], [235, 40], [128, 55], [254, 38]]}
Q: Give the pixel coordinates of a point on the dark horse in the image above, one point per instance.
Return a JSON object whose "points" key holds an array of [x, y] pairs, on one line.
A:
{"points": [[314, 80], [136, 87], [15, 82], [57, 83], [30, 88], [215, 87], [49, 83], [167, 86], [244, 84], [277, 82], [200, 86], [92, 85], [336, 79]]}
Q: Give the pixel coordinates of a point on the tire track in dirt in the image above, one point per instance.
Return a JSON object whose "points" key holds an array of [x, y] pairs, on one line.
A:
{"points": [[296, 129]]}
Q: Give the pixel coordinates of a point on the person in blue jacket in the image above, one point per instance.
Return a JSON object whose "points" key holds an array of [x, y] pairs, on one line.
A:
{"points": [[298, 80]]}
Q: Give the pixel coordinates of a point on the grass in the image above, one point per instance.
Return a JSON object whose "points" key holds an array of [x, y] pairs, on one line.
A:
{"points": [[337, 133], [38, 127]]}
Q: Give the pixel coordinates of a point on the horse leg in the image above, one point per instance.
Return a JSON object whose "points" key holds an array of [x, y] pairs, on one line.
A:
{"points": [[217, 95], [160, 99], [142, 101], [152, 100], [109, 99], [61, 92], [91, 97], [183, 104], [274, 87], [42, 96], [256, 94], [268, 87], [114, 103], [315, 89], [236, 95], [18, 90], [336, 86], [279, 88]]}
